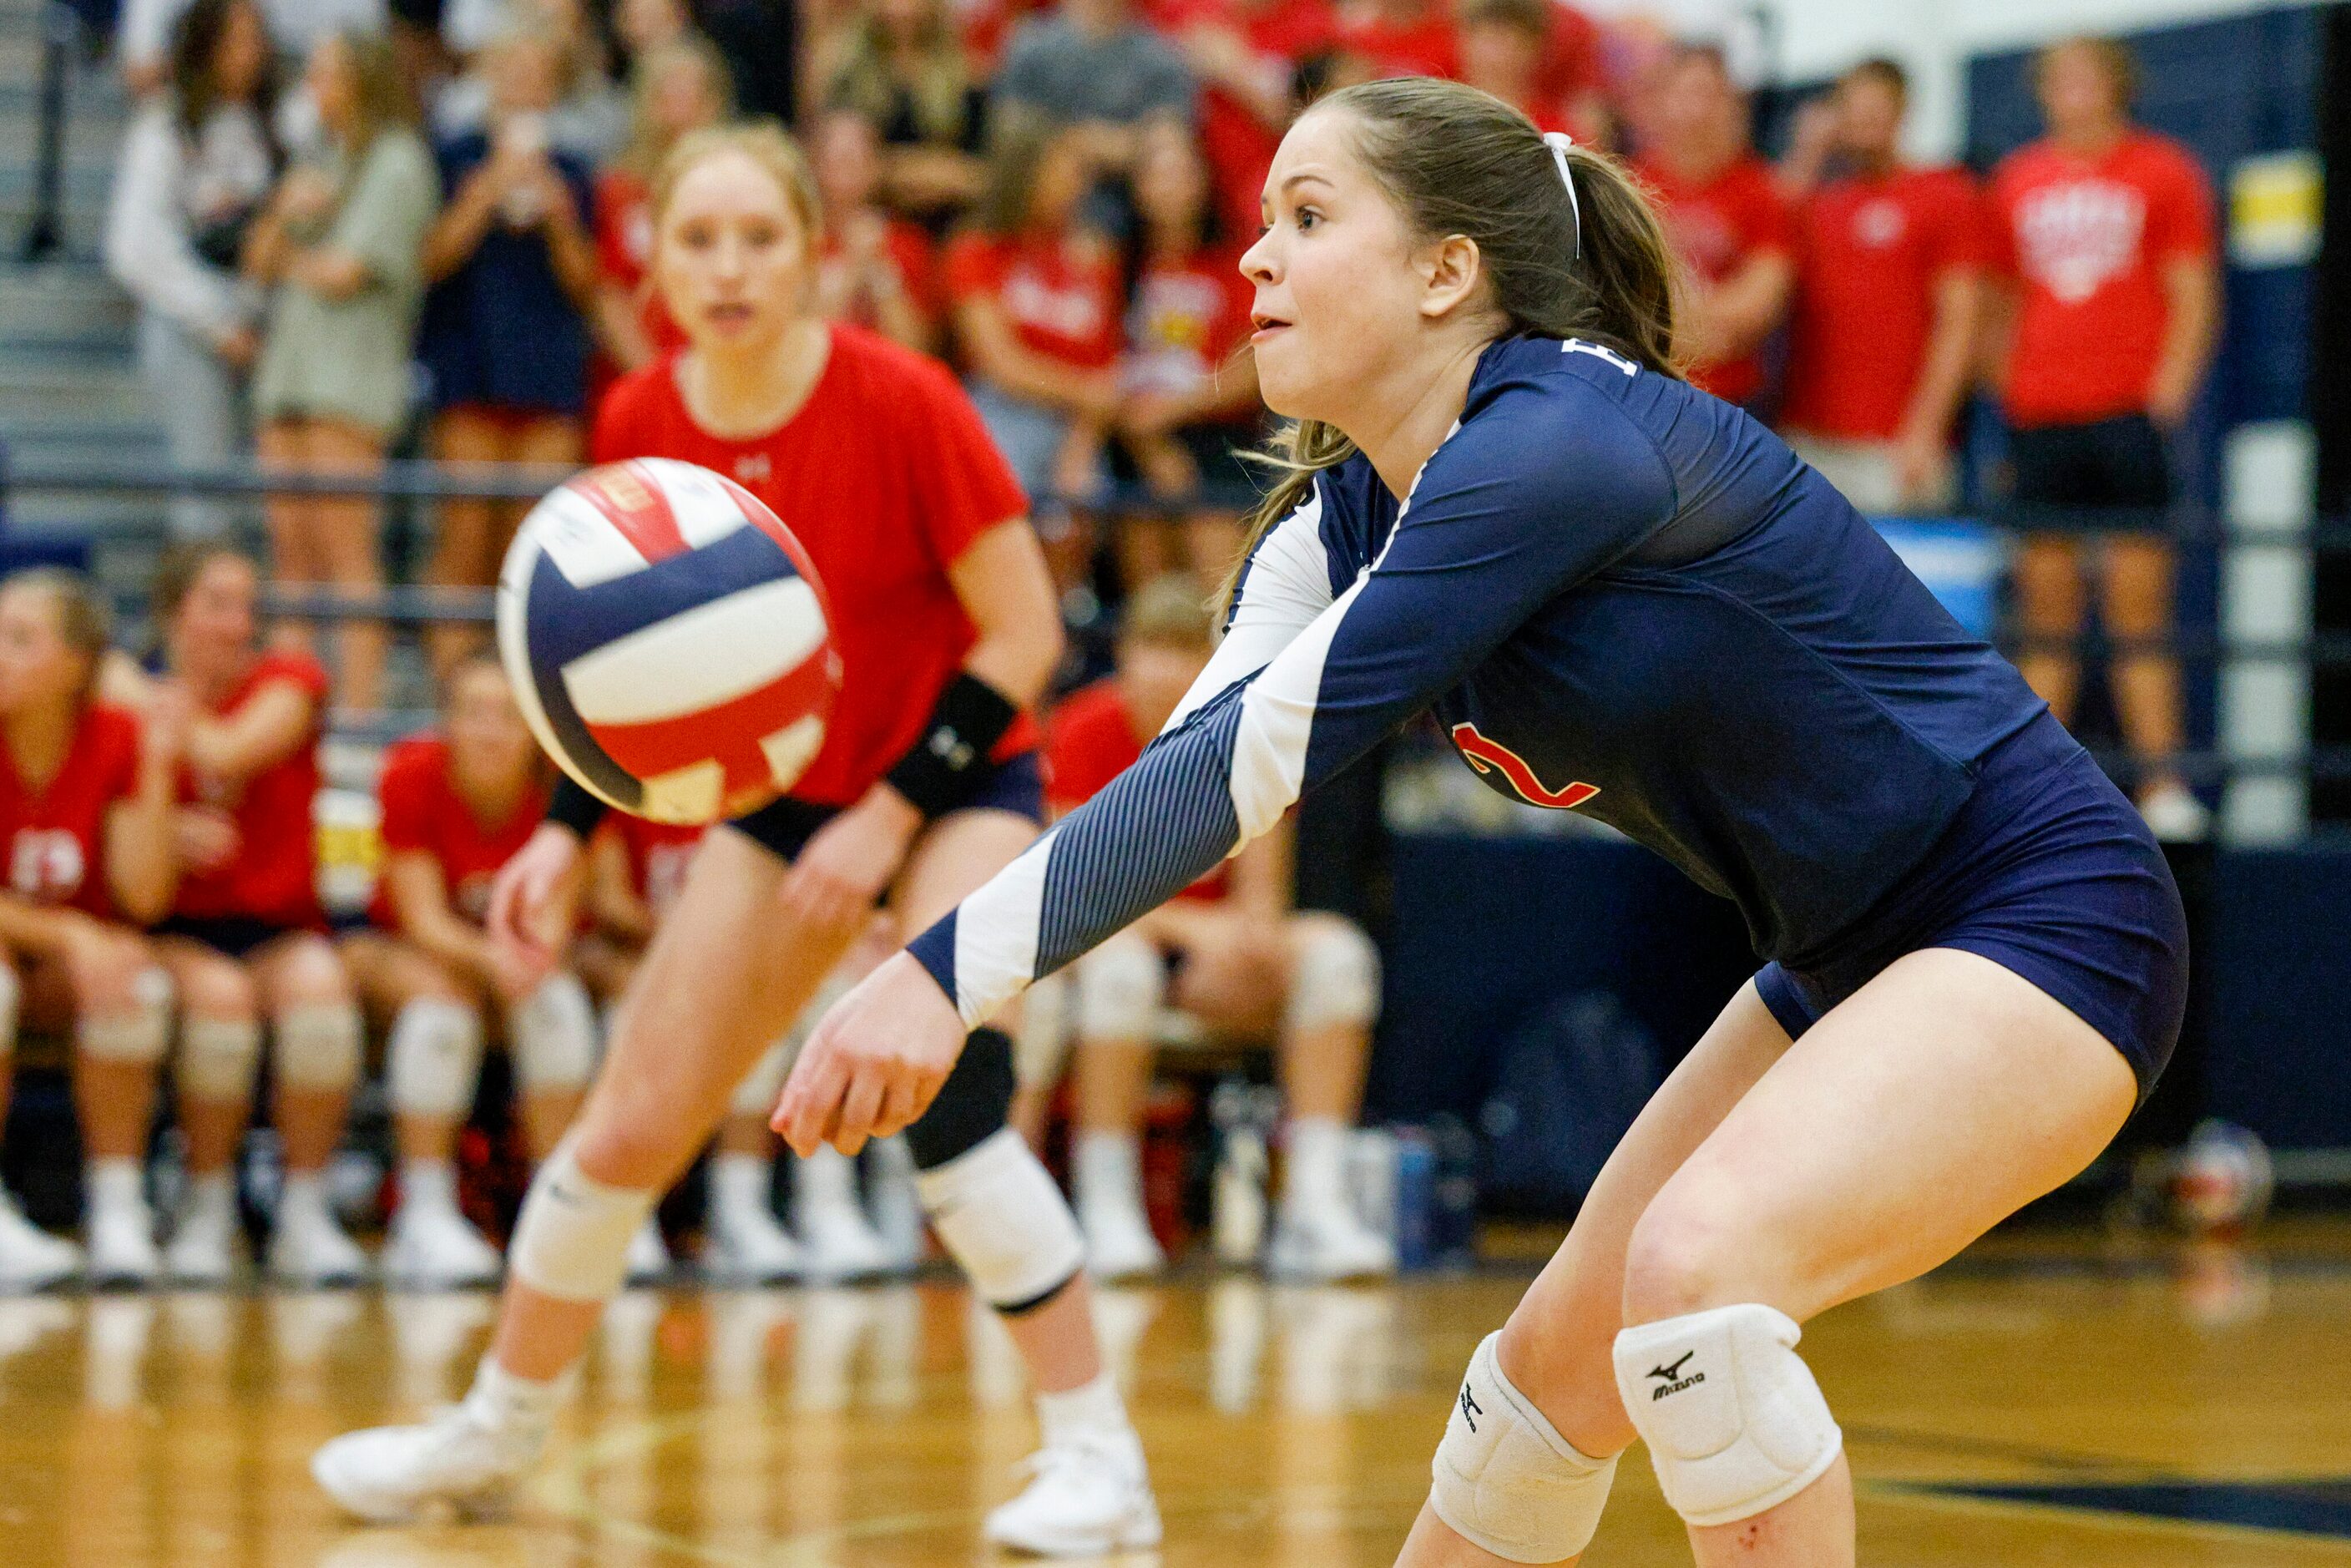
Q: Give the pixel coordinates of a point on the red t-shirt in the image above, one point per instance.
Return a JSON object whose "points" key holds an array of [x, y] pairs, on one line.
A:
{"points": [[1060, 292], [624, 247], [1424, 46], [1187, 319], [658, 854], [1237, 145], [909, 247], [886, 476], [2086, 241], [1870, 254], [274, 876], [423, 812], [1090, 740], [57, 836], [1717, 225]]}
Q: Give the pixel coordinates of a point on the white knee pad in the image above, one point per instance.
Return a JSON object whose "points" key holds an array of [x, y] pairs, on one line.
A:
{"points": [[12, 991], [763, 1084], [1505, 1480], [1121, 985], [1336, 980], [318, 1046], [434, 1059], [140, 1035], [552, 1033], [571, 1240], [999, 1216], [1041, 1046], [218, 1057], [1734, 1422]]}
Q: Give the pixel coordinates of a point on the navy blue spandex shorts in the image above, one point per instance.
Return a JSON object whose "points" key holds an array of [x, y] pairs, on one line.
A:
{"points": [[2047, 871], [784, 827]]}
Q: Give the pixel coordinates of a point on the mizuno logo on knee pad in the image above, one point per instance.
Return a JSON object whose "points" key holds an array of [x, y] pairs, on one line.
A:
{"points": [[1673, 1381]]}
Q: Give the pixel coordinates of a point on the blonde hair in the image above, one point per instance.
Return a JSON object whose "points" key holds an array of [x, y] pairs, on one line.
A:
{"points": [[381, 89], [1169, 612], [764, 142], [643, 155], [937, 92], [84, 625]]}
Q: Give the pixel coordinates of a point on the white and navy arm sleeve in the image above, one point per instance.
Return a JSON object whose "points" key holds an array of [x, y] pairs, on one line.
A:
{"points": [[1500, 523]]}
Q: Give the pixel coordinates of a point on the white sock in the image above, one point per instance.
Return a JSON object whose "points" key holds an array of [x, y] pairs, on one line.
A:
{"points": [[827, 1180], [1106, 1169], [1092, 1410], [501, 1401], [428, 1185], [1316, 1175], [213, 1192], [301, 1195], [738, 1184], [115, 1185]]}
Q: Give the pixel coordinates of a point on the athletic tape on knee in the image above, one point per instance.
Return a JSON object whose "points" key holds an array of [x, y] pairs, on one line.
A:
{"points": [[318, 1046], [434, 1063], [552, 1032], [1040, 1042], [1734, 1422], [1336, 978], [12, 992], [1505, 1480], [971, 1106], [763, 1084], [1001, 1218], [1121, 985], [140, 1034], [218, 1057], [571, 1240]]}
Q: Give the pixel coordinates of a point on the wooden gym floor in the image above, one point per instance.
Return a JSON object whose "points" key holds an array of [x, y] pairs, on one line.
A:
{"points": [[2059, 1400]]}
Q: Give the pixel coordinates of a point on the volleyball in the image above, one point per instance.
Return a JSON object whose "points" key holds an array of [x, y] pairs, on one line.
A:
{"points": [[668, 640]]}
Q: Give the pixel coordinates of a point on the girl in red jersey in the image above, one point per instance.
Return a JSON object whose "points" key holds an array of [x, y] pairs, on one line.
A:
{"points": [[927, 782], [246, 939], [874, 270], [456, 806], [86, 818]]}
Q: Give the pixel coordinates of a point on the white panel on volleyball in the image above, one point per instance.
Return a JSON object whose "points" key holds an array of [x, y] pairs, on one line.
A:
{"points": [[699, 659], [580, 541], [699, 499]]}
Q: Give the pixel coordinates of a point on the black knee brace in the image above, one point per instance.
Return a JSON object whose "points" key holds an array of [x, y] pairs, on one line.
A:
{"points": [[972, 1104]]}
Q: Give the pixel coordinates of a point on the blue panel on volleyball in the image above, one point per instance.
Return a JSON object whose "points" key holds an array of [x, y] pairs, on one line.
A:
{"points": [[1958, 559]]}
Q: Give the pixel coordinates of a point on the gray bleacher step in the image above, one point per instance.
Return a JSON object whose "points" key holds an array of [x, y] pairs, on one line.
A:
{"points": [[61, 303]]}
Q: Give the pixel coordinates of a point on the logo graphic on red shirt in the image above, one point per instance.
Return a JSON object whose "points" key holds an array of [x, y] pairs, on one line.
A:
{"points": [[2073, 239], [46, 865], [1487, 756]]}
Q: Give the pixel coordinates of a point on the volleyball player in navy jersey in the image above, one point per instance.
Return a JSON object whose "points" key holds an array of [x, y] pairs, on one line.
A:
{"points": [[1621, 596]]}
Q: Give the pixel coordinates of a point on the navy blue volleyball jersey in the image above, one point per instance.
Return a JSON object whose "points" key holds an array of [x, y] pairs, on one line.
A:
{"points": [[1617, 595]]}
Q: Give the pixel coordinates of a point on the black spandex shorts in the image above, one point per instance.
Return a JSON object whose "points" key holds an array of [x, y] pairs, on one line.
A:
{"points": [[2110, 476], [238, 935], [784, 827]]}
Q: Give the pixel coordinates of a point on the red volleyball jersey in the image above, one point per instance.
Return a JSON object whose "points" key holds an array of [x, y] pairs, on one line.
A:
{"points": [[423, 812], [56, 835], [658, 854], [1717, 225], [1058, 292], [274, 875], [886, 475], [2086, 240], [1090, 740], [1871, 253]]}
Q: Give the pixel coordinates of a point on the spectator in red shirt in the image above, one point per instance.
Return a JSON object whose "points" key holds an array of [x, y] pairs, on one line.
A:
{"points": [[1889, 280], [1251, 969], [905, 70], [1379, 38], [86, 796], [1504, 45], [1036, 295], [1246, 55], [1189, 406], [456, 806], [872, 270], [674, 89], [246, 940], [2106, 328], [1724, 213]]}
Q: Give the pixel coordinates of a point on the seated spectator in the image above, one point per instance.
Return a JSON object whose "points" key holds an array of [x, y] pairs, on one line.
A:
{"points": [[341, 248], [904, 69], [1888, 282], [1244, 965], [455, 806], [1189, 404], [1394, 38], [872, 270], [1035, 293], [1094, 65], [1725, 217], [1503, 47], [1246, 55], [86, 795], [505, 335], [246, 940], [196, 170], [675, 90]]}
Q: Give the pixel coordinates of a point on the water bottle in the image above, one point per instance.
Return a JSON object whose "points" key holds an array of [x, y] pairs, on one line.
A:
{"points": [[1236, 1199], [1415, 1198]]}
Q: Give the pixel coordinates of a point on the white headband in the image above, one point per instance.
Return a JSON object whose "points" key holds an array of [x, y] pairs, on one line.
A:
{"points": [[1561, 142]]}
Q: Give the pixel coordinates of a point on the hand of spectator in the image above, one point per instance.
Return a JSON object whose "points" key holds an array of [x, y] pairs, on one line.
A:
{"points": [[1920, 457], [165, 725], [1812, 140], [1167, 468], [1217, 53], [515, 974], [94, 954], [835, 881], [305, 195], [1077, 466], [2169, 402], [1109, 148], [527, 899], [205, 839], [238, 347], [1151, 412]]}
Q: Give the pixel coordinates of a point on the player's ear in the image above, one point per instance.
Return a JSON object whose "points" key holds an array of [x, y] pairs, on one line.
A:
{"points": [[1450, 269]]}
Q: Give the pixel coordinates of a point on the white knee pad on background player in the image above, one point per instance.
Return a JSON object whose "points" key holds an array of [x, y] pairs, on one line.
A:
{"points": [[571, 1240], [763, 1084], [999, 1216], [1041, 1046], [218, 1057], [1121, 986], [1505, 1480], [142, 1034], [434, 1062], [316, 1046], [552, 1035], [1734, 1421], [1336, 978]]}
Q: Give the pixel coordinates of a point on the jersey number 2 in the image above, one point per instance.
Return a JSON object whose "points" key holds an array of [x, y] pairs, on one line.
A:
{"points": [[1486, 756]]}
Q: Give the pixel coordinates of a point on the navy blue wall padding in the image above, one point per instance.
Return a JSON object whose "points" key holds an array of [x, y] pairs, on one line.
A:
{"points": [[2280, 1052]]}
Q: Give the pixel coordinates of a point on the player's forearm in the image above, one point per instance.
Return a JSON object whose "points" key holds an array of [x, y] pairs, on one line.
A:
{"points": [[2190, 331], [30, 927], [142, 871]]}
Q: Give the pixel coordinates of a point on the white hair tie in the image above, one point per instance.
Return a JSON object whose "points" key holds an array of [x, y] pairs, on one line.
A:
{"points": [[1561, 143]]}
